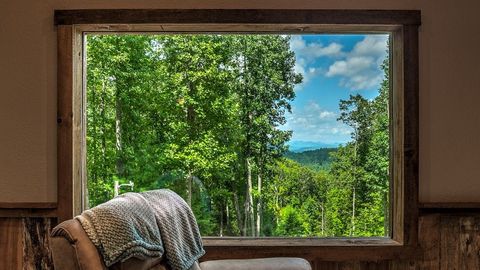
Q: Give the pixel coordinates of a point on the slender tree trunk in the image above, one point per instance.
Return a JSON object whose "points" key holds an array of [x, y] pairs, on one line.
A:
{"points": [[386, 212], [189, 187], [191, 114], [94, 138], [227, 212], [249, 202], [104, 132], [352, 233], [221, 221], [247, 117], [277, 204], [120, 164], [259, 204], [190, 119], [245, 216], [239, 214], [323, 219]]}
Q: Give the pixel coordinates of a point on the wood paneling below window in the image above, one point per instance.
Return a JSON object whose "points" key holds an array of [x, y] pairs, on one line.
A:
{"points": [[24, 243], [446, 241]]}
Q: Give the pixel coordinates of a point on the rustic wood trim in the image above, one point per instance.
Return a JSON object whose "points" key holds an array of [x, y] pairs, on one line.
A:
{"points": [[299, 241], [235, 28], [11, 249], [445, 242], [460, 242], [27, 212], [65, 158], [79, 131], [411, 134], [24, 243], [36, 243], [429, 242], [21, 205], [404, 28], [71, 130], [322, 253], [449, 208], [450, 205], [397, 113], [236, 16]]}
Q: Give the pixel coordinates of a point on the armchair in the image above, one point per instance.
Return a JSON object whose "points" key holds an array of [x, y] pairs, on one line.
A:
{"points": [[73, 250]]}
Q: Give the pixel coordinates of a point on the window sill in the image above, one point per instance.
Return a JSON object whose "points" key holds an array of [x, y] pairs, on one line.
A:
{"points": [[324, 249], [299, 242]]}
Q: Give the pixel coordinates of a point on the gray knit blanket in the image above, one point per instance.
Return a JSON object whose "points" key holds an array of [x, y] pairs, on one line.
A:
{"points": [[150, 224]]}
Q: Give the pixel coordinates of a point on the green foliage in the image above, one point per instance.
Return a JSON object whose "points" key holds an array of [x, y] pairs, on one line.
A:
{"points": [[361, 167], [318, 159], [199, 114], [290, 222]]}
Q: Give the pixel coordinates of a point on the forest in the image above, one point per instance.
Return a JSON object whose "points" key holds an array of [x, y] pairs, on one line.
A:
{"points": [[200, 114]]}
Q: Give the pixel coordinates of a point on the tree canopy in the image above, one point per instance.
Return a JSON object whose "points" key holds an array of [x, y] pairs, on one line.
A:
{"points": [[201, 115]]}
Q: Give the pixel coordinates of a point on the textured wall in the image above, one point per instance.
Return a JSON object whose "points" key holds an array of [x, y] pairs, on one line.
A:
{"points": [[449, 85]]}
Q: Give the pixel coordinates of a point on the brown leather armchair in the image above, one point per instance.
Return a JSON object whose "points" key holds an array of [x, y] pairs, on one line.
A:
{"points": [[73, 250]]}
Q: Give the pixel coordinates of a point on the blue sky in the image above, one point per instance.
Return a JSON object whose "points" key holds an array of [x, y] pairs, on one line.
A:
{"points": [[333, 67]]}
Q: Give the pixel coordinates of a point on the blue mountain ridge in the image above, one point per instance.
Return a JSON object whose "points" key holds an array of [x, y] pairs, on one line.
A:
{"points": [[301, 146]]}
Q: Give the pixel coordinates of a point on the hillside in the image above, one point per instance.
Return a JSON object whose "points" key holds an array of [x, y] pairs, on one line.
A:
{"points": [[302, 146], [315, 159]]}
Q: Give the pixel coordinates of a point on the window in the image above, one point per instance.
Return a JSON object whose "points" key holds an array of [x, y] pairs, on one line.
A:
{"points": [[249, 129], [398, 136]]}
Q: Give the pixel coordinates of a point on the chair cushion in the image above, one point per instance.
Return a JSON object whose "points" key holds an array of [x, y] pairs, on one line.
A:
{"points": [[257, 264]]}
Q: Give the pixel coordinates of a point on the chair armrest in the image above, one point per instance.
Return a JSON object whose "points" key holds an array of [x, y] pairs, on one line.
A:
{"points": [[63, 254], [280, 263]]}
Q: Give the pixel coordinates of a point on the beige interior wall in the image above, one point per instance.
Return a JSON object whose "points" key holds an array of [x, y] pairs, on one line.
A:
{"points": [[449, 90]]}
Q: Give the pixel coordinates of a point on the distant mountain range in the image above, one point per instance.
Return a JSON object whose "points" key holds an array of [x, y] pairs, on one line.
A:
{"points": [[302, 146]]}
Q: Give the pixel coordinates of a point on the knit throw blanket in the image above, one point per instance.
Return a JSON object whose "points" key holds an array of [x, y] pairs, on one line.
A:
{"points": [[148, 224]]}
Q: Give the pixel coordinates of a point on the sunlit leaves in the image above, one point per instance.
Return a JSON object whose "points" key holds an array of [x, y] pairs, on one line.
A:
{"points": [[199, 114]]}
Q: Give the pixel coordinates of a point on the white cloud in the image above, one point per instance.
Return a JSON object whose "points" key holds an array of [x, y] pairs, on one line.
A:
{"points": [[313, 123], [360, 67], [314, 50], [306, 54], [372, 45], [303, 68]]}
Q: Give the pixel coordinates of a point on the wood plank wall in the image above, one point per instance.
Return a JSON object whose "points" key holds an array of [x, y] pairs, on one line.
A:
{"points": [[24, 243], [448, 241]]}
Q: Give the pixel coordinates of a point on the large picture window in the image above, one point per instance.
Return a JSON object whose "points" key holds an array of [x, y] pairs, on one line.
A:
{"points": [[263, 135], [280, 128]]}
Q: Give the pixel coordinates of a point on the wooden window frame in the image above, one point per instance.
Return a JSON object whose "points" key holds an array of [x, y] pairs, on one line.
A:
{"points": [[401, 24]]}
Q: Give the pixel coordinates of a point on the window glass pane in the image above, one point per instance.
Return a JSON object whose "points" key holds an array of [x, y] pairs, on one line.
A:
{"points": [[263, 135]]}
